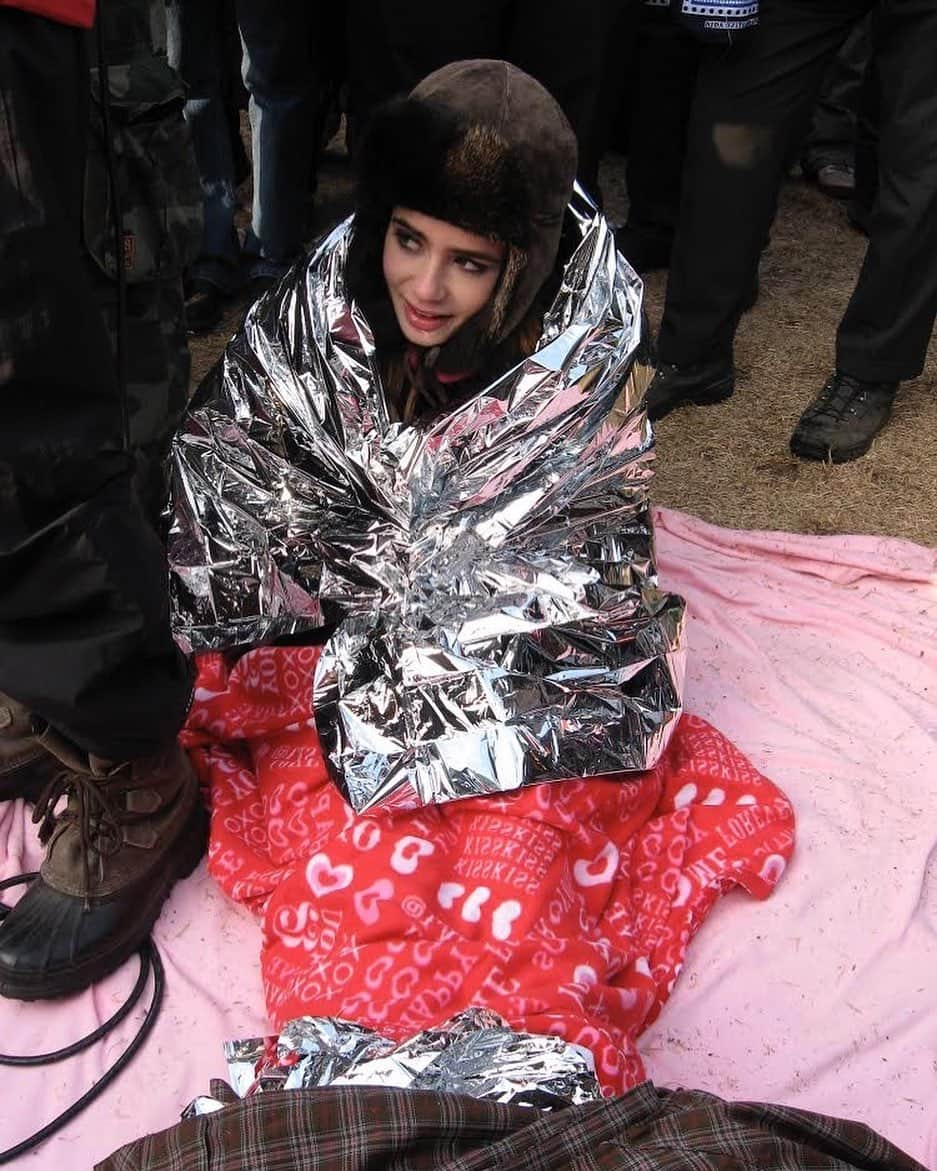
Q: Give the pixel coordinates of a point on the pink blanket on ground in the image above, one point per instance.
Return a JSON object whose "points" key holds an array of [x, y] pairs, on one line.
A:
{"points": [[815, 656]]}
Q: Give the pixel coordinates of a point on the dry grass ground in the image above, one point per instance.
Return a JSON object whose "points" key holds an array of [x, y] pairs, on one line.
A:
{"points": [[730, 464]]}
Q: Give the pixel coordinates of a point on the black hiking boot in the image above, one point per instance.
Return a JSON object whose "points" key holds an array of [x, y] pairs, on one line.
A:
{"points": [[701, 384], [844, 418]]}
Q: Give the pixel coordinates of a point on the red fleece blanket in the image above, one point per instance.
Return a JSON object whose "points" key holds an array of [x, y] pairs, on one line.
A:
{"points": [[565, 907]]}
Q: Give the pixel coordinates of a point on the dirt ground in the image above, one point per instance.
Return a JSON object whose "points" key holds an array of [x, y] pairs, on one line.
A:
{"points": [[730, 463]]}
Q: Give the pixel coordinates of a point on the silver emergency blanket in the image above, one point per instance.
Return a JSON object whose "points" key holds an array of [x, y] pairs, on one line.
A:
{"points": [[489, 576], [474, 1053]]}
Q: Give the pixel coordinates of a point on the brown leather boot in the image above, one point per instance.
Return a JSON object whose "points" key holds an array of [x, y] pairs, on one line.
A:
{"points": [[126, 834], [26, 766]]}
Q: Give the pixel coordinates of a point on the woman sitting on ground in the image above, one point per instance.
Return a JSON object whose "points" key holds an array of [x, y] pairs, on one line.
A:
{"points": [[428, 445]]}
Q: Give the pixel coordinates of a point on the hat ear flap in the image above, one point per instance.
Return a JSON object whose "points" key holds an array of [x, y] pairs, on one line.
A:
{"points": [[514, 264]]}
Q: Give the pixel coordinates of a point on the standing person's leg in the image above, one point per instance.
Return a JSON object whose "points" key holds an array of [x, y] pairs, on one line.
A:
{"points": [[393, 44], [328, 52], [278, 74], [660, 94], [867, 123], [567, 53], [887, 327], [98, 687], [829, 151], [749, 111], [198, 51], [74, 543], [161, 210], [883, 337]]}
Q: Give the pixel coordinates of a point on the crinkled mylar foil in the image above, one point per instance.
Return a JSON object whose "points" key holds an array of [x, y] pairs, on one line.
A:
{"points": [[474, 1053], [491, 573]]}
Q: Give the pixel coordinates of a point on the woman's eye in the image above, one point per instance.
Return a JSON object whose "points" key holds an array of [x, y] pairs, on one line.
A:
{"points": [[406, 241], [470, 265]]}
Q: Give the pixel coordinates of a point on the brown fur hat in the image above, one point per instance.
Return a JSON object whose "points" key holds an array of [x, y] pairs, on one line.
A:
{"points": [[481, 145]]}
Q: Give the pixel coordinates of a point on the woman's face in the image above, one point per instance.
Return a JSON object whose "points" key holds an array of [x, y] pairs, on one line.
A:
{"points": [[438, 275]]}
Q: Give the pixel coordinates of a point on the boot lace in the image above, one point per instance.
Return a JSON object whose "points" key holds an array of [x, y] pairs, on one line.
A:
{"points": [[842, 397], [96, 818]]}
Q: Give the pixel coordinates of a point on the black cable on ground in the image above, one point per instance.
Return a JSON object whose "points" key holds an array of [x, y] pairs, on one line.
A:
{"points": [[149, 961]]}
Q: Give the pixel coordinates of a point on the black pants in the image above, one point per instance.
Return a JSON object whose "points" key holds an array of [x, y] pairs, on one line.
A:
{"points": [[832, 136], [84, 627], [751, 106], [393, 44], [658, 101]]}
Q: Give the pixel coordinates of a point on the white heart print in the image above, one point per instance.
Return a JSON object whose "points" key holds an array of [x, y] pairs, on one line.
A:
{"points": [[595, 871], [585, 974], [472, 908], [503, 918], [448, 893], [628, 998], [408, 852], [772, 868], [366, 901], [324, 878], [684, 890]]}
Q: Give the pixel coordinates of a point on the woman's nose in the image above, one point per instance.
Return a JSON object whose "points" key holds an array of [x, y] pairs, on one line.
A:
{"points": [[429, 285]]}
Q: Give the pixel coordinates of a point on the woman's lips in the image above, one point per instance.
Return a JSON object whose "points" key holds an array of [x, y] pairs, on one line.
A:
{"points": [[426, 322]]}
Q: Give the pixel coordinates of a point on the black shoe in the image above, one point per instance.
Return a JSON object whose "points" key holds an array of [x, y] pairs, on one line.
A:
{"points": [[702, 384], [645, 249], [835, 178], [844, 418], [204, 307], [834, 172]]}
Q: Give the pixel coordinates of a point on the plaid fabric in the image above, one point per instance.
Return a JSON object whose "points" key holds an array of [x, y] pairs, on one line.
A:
{"points": [[377, 1129]]}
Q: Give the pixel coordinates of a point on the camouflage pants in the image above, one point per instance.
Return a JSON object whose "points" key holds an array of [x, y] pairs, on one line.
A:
{"points": [[84, 624], [157, 378]]}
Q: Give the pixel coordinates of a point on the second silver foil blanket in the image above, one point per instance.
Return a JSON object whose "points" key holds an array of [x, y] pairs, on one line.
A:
{"points": [[474, 1053], [489, 576]]}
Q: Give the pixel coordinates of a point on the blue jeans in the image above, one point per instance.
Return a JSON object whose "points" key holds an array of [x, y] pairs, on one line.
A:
{"points": [[278, 73]]}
